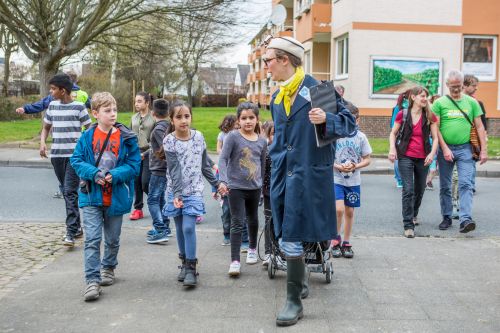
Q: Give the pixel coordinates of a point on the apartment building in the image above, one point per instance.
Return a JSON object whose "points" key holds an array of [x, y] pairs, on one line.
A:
{"points": [[380, 48], [377, 49]]}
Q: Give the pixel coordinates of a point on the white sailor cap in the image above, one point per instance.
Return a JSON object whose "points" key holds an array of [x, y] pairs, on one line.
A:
{"points": [[288, 44]]}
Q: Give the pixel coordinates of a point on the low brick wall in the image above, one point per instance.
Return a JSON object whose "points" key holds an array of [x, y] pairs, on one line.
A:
{"points": [[493, 127], [379, 126], [375, 126]]}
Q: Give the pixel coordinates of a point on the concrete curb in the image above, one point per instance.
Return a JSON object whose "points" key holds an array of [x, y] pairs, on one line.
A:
{"points": [[45, 164]]}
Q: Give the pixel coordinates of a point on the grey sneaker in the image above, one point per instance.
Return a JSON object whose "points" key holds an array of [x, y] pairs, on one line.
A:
{"points": [[107, 277], [92, 292], [252, 257], [69, 241]]}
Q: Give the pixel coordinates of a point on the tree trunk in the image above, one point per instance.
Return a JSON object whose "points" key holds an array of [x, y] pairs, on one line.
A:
{"points": [[189, 86], [6, 73], [48, 68]]}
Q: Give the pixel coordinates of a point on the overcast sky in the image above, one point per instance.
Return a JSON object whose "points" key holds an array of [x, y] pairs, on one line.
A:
{"points": [[257, 12], [254, 12]]}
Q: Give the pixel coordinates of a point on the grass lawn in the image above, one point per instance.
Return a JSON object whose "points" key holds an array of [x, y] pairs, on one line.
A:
{"points": [[205, 120]]}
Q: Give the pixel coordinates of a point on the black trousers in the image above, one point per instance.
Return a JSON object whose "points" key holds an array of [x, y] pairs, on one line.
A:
{"points": [[268, 219], [69, 180], [414, 175], [243, 203], [142, 183]]}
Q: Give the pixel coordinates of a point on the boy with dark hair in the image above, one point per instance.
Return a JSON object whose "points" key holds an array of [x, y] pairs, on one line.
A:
{"points": [[65, 117], [107, 159], [158, 181]]}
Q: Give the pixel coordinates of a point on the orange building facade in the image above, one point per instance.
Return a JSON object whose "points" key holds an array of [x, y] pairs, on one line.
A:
{"points": [[347, 41]]}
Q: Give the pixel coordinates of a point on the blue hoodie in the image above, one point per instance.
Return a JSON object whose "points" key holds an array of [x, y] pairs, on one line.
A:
{"points": [[127, 168], [43, 104]]}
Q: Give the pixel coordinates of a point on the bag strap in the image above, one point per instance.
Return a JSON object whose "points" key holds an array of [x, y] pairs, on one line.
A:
{"points": [[458, 107], [405, 115], [103, 147]]}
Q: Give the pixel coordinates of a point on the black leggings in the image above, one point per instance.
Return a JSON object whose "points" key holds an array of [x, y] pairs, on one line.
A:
{"points": [[243, 203]]}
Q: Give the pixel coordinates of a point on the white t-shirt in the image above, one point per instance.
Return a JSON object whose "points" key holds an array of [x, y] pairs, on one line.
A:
{"points": [[350, 149]]}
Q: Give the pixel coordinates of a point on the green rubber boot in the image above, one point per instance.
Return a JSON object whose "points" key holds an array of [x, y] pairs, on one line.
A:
{"points": [[305, 284], [292, 311]]}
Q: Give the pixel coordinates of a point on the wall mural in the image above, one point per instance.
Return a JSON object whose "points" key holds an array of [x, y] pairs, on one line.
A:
{"points": [[391, 76]]}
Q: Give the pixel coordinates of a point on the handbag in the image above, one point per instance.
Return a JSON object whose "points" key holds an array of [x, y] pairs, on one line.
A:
{"points": [[475, 144], [85, 184]]}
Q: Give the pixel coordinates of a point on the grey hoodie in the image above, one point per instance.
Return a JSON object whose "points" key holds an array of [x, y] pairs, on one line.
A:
{"points": [[158, 167]]}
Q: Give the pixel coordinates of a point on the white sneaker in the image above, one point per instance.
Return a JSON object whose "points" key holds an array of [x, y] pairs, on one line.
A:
{"points": [[234, 268], [251, 257], [267, 260]]}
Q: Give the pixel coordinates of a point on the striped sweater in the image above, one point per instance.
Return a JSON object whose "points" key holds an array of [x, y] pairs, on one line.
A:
{"points": [[67, 121]]}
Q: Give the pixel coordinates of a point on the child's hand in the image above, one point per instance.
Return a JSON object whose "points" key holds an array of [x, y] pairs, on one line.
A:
{"points": [[100, 181], [178, 203], [109, 178], [223, 190], [350, 167], [43, 150]]}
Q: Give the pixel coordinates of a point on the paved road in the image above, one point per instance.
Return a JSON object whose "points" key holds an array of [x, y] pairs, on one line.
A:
{"points": [[393, 284], [380, 214]]}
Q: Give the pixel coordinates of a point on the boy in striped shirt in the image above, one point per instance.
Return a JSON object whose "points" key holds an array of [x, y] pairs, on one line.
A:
{"points": [[65, 117]]}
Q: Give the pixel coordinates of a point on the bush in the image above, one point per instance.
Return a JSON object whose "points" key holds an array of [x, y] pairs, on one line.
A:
{"points": [[98, 82], [8, 106], [220, 100]]}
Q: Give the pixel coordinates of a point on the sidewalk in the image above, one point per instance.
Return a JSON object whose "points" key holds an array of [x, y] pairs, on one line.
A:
{"points": [[392, 285], [18, 157]]}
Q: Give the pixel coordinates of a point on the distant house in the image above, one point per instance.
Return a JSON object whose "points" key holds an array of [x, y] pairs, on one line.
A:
{"points": [[217, 80], [240, 80]]}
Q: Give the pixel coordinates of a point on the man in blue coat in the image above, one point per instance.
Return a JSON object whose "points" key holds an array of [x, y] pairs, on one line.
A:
{"points": [[302, 199]]}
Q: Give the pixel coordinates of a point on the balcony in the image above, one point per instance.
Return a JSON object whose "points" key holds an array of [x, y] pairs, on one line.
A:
{"points": [[315, 20]]}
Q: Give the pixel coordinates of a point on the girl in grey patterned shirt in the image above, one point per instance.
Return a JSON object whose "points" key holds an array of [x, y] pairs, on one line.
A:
{"points": [[186, 155]]}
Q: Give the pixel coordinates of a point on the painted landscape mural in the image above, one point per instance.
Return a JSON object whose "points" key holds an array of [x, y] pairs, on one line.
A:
{"points": [[394, 76]]}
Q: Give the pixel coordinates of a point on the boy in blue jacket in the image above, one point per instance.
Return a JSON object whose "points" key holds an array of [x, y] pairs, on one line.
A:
{"points": [[106, 189]]}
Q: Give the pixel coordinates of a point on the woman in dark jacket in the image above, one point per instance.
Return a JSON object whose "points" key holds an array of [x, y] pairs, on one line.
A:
{"points": [[302, 200], [410, 145]]}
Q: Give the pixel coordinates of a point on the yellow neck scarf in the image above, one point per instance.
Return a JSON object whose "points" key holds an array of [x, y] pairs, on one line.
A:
{"points": [[288, 89]]}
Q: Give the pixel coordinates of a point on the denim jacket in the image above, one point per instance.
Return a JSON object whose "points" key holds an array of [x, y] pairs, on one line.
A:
{"points": [[127, 168]]}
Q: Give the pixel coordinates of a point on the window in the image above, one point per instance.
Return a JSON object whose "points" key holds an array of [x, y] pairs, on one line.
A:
{"points": [[479, 56], [301, 7], [307, 62], [342, 68]]}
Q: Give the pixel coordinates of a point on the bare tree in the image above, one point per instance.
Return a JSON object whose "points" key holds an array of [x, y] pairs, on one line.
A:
{"points": [[50, 30], [199, 38], [9, 45]]}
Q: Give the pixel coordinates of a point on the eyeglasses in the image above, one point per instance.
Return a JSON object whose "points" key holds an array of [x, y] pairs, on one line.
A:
{"points": [[267, 61]]}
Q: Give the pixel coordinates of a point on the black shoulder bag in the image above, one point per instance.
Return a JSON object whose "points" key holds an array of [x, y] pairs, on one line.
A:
{"points": [[85, 184]]}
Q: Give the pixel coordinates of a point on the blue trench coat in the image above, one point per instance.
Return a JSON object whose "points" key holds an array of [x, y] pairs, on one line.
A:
{"points": [[302, 195]]}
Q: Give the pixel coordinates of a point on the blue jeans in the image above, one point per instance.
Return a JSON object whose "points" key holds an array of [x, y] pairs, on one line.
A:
{"points": [[291, 249], [185, 231], [156, 202], [94, 220], [465, 167], [397, 176]]}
